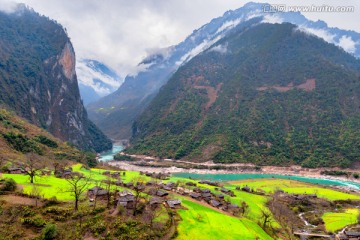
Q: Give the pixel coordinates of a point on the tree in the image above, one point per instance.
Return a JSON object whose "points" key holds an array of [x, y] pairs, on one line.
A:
{"points": [[32, 166], [244, 207], [265, 218], [36, 193], [77, 185], [138, 188]]}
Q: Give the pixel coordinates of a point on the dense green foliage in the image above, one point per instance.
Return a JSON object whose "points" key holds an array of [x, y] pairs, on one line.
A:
{"points": [[46, 141], [22, 143], [250, 120]]}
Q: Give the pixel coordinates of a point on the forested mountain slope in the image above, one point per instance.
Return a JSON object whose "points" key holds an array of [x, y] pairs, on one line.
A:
{"points": [[265, 94]]}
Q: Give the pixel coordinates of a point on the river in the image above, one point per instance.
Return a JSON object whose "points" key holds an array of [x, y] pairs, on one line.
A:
{"points": [[109, 155], [232, 177]]}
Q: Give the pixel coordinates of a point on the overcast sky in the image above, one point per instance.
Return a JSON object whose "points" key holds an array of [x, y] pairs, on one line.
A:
{"points": [[121, 32]]}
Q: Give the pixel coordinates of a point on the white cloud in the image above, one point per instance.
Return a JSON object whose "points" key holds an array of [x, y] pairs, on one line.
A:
{"points": [[347, 44], [119, 32], [219, 48], [272, 18], [198, 49], [321, 33], [7, 6], [228, 25]]}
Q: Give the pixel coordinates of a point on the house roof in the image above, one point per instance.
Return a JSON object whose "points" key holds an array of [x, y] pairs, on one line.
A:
{"points": [[352, 234], [215, 203], [206, 195], [224, 190], [195, 195], [161, 193], [173, 203], [125, 193], [155, 200], [205, 190]]}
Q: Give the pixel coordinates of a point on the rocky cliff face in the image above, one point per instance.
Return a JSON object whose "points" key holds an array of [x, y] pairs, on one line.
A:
{"points": [[38, 79]]}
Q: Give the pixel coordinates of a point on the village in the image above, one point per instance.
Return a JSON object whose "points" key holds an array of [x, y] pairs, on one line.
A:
{"points": [[151, 191]]}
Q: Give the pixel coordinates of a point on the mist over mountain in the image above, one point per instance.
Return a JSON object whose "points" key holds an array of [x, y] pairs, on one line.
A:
{"points": [[115, 113], [38, 79]]}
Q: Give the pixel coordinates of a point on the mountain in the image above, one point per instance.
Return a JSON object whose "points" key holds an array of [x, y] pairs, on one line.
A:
{"points": [[96, 80], [115, 113], [265, 94], [38, 79]]}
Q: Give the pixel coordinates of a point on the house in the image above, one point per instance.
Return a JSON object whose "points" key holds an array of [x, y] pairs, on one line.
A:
{"points": [[97, 192], [195, 195], [221, 196], [215, 203], [352, 235], [206, 196], [174, 203], [126, 199], [160, 193], [205, 190], [237, 188], [246, 189], [151, 183], [106, 173], [115, 175], [15, 170], [155, 201]]}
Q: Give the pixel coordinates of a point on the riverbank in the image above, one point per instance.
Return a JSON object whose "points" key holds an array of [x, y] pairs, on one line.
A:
{"points": [[151, 165]]}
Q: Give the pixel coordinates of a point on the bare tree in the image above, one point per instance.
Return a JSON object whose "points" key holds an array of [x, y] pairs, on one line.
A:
{"points": [[36, 194], [77, 185], [138, 188], [32, 166], [266, 218]]}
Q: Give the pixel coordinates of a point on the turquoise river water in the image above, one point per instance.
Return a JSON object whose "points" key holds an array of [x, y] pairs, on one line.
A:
{"points": [[231, 177], [109, 156]]}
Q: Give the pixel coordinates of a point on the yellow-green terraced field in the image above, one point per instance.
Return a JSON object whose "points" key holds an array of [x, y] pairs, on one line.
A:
{"points": [[296, 187], [337, 220]]}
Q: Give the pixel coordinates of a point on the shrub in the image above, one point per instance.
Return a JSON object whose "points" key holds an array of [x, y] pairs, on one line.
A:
{"points": [[9, 185], [49, 232], [356, 175], [36, 221]]}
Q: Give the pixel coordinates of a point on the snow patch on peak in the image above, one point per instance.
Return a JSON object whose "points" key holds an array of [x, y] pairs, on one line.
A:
{"points": [[89, 74]]}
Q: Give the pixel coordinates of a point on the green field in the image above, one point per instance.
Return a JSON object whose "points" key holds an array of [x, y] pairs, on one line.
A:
{"points": [[296, 187], [337, 220], [51, 186], [200, 222]]}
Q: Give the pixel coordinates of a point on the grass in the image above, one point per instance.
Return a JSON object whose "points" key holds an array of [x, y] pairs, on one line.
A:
{"points": [[295, 187], [337, 220], [200, 222]]}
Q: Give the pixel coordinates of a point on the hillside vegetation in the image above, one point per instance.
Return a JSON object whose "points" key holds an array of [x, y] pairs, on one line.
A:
{"points": [[18, 137], [266, 94]]}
